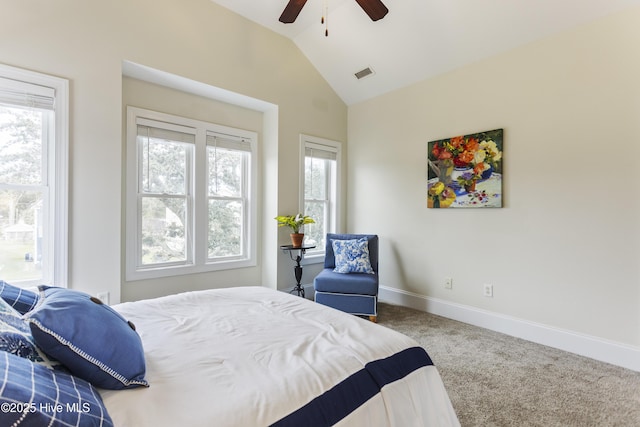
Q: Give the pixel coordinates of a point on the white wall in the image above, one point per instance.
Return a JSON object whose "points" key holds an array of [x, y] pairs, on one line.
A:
{"points": [[87, 42], [564, 250]]}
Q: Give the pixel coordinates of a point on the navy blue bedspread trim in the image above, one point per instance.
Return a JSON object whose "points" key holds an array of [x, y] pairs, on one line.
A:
{"points": [[338, 402]]}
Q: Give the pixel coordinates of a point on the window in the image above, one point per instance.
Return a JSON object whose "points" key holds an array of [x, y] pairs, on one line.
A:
{"points": [[320, 189], [190, 196], [33, 177], [228, 195], [164, 163]]}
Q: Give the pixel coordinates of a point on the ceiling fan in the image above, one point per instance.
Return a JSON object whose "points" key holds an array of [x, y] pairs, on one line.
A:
{"points": [[374, 8]]}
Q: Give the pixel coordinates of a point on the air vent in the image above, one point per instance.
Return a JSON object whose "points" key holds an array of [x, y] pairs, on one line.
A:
{"points": [[364, 73]]}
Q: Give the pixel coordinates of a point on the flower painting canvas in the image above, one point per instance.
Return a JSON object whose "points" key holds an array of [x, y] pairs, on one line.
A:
{"points": [[465, 171]]}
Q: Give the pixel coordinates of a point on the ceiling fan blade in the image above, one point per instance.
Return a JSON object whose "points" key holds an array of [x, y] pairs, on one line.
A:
{"points": [[291, 11], [374, 8]]}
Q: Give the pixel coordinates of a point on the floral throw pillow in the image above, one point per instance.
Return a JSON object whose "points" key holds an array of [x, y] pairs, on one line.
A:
{"points": [[352, 256], [16, 338]]}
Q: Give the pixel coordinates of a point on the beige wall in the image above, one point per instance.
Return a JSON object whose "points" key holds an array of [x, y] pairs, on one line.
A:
{"points": [[87, 42], [564, 250]]}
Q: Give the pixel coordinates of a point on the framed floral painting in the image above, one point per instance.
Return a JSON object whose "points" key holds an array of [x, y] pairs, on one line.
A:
{"points": [[465, 171]]}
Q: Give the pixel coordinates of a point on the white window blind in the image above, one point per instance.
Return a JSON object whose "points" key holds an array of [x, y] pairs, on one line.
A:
{"points": [[228, 142], [176, 134], [15, 92], [318, 151]]}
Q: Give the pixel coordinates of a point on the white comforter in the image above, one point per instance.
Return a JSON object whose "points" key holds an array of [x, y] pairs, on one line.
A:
{"points": [[246, 357]]}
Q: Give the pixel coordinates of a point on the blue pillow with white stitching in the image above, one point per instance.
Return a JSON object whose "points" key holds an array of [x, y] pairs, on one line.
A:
{"points": [[22, 300], [32, 395], [90, 338], [352, 256]]}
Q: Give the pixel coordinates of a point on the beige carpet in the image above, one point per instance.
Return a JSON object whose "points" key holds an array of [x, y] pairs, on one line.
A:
{"points": [[497, 380]]}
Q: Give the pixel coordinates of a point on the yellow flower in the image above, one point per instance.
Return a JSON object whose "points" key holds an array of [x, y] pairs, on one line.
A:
{"points": [[479, 156], [444, 199], [447, 198], [436, 189], [491, 149]]}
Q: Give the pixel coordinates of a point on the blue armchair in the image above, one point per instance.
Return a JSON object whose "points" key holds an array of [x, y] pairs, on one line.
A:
{"points": [[352, 292]]}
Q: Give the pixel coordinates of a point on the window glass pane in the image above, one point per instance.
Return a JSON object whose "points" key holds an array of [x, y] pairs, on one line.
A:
{"points": [[317, 199], [314, 234], [163, 230], [21, 217], [315, 178], [225, 172], [225, 228], [21, 150], [164, 166]]}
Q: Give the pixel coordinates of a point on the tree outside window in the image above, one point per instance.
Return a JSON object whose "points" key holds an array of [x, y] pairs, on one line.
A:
{"points": [[22, 191]]}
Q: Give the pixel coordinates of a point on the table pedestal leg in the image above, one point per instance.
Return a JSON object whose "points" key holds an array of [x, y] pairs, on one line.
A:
{"points": [[298, 273], [297, 269]]}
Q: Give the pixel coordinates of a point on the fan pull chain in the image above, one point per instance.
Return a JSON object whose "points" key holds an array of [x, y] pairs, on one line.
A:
{"points": [[325, 17]]}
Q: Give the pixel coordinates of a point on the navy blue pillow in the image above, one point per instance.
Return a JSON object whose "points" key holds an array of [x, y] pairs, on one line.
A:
{"points": [[32, 395], [88, 337], [22, 300]]}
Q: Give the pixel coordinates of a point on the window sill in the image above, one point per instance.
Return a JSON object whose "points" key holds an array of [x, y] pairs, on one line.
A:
{"points": [[180, 270], [312, 259]]}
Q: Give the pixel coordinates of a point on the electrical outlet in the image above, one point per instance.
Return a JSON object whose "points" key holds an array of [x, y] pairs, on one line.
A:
{"points": [[448, 282], [488, 290], [103, 296]]}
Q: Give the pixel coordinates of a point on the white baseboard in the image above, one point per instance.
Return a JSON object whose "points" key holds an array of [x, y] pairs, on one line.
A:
{"points": [[612, 352]]}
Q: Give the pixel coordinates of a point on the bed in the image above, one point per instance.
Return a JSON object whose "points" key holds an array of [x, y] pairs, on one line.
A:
{"points": [[253, 356], [241, 357]]}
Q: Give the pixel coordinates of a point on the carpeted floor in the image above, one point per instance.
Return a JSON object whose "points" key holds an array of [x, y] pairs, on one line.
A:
{"points": [[497, 380]]}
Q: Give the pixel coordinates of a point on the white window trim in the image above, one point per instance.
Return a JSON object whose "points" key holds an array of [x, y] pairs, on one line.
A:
{"points": [[199, 262], [58, 171], [311, 256]]}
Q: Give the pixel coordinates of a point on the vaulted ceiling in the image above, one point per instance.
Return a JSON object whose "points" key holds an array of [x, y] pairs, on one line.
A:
{"points": [[418, 39]]}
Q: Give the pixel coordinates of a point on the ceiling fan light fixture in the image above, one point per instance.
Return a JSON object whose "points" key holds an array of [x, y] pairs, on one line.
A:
{"points": [[291, 11], [325, 17], [374, 8]]}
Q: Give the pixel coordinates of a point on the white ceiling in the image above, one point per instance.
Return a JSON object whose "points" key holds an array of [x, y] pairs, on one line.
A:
{"points": [[417, 39]]}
